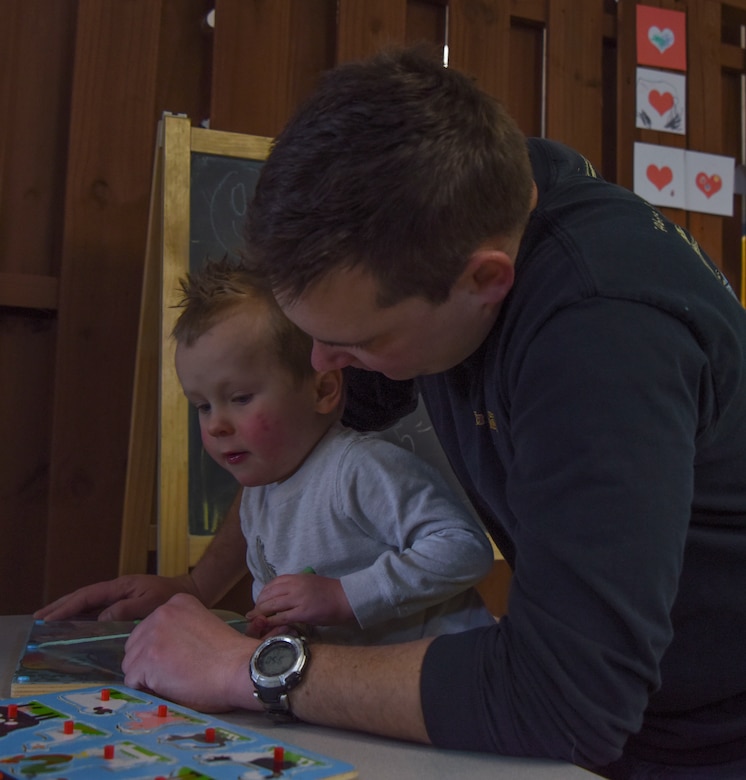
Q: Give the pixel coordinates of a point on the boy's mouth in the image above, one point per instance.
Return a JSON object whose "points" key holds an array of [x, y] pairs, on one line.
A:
{"points": [[235, 457]]}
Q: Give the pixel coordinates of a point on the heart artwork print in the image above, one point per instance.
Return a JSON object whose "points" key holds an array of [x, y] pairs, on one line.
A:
{"points": [[660, 101], [660, 177], [708, 184], [661, 39]]}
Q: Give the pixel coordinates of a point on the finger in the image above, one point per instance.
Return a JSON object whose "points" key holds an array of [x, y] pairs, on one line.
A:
{"points": [[52, 608], [257, 628], [128, 609], [73, 604], [285, 617], [283, 629]]}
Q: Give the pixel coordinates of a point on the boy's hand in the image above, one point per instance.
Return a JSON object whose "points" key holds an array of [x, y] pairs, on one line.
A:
{"points": [[300, 598]]}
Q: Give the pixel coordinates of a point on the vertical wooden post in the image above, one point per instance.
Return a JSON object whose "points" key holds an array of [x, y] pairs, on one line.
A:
{"points": [[106, 206], [365, 26], [705, 113], [479, 43], [268, 56], [574, 55]]}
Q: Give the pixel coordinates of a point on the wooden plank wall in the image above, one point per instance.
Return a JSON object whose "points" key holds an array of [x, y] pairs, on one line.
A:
{"points": [[82, 85]]}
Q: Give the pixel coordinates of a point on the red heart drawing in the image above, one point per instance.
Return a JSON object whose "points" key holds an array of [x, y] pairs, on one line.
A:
{"points": [[660, 102], [659, 176], [708, 184]]}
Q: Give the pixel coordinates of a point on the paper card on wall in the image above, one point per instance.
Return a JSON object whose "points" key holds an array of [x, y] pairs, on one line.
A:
{"points": [[661, 101], [709, 183], [659, 175], [661, 38]]}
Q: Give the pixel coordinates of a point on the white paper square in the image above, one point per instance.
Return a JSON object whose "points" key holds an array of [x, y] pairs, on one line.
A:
{"points": [[659, 175], [709, 183], [661, 101]]}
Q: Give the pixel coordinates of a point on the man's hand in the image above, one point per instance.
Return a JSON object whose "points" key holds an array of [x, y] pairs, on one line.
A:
{"points": [[129, 597], [186, 654], [301, 598]]}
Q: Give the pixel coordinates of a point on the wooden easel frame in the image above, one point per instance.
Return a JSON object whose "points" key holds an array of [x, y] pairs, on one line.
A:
{"points": [[156, 507]]}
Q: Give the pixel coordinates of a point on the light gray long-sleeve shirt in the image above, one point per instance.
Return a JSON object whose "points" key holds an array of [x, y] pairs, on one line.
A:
{"points": [[384, 522]]}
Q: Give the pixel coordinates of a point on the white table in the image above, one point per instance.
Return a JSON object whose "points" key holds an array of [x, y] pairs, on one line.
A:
{"points": [[374, 758]]}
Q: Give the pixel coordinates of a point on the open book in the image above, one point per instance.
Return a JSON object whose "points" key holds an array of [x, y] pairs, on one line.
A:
{"points": [[66, 654]]}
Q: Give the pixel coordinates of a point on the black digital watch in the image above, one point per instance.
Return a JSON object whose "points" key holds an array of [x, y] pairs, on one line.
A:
{"points": [[276, 667]]}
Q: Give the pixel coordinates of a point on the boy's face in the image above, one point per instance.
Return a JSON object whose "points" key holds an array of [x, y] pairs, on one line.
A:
{"points": [[256, 420], [412, 338]]}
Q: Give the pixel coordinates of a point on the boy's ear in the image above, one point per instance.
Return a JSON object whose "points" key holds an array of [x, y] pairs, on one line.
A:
{"points": [[489, 274], [329, 390]]}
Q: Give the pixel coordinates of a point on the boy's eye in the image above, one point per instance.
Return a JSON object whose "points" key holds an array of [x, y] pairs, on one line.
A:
{"points": [[242, 398], [202, 408]]}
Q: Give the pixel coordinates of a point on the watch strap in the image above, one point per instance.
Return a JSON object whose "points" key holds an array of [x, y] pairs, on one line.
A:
{"points": [[277, 707]]}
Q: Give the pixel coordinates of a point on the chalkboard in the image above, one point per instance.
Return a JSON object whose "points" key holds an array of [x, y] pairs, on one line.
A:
{"points": [[175, 494], [221, 188]]}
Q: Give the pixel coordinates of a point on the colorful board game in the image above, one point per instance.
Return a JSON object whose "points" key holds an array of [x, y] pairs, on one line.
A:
{"points": [[119, 732]]}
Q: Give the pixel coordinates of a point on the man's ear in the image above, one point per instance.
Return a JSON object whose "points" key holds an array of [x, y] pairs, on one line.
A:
{"points": [[489, 274], [329, 390]]}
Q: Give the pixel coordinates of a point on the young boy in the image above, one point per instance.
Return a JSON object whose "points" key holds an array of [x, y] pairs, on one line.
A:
{"points": [[394, 554]]}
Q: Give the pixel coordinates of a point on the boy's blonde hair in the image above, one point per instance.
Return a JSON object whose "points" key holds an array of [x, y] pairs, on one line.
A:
{"points": [[221, 286]]}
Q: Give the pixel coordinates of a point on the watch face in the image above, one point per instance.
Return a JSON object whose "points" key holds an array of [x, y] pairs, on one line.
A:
{"points": [[276, 659]]}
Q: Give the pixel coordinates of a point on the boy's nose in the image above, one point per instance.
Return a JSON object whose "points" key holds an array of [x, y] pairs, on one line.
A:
{"points": [[219, 425]]}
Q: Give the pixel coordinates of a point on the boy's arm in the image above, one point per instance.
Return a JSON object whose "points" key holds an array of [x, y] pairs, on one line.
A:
{"points": [[223, 563], [133, 596], [437, 549]]}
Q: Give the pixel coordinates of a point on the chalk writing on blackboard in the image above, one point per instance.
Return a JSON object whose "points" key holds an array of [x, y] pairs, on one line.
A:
{"points": [[220, 192]]}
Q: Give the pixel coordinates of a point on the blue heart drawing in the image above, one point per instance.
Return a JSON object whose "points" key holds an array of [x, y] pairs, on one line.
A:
{"points": [[661, 39]]}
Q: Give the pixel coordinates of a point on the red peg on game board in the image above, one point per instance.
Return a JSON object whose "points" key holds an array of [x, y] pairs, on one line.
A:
{"points": [[279, 760], [162, 710], [105, 694], [12, 712], [209, 734], [68, 727], [108, 751]]}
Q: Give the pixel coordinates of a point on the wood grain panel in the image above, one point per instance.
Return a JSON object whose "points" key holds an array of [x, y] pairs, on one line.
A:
{"points": [[479, 43], [268, 57], [365, 26], [105, 218], [574, 79], [26, 362], [705, 109], [36, 44], [525, 98], [426, 22], [36, 49]]}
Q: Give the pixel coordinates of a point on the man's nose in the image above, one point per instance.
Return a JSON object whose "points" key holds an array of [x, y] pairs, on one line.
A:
{"points": [[327, 358]]}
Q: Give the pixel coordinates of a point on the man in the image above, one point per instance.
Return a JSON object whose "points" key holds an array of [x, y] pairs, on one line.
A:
{"points": [[584, 365]]}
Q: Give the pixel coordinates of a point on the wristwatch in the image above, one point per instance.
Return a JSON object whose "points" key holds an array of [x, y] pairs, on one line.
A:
{"points": [[276, 668]]}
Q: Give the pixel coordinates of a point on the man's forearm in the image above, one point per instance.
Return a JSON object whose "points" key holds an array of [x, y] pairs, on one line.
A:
{"points": [[224, 561], [373, 689]]}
